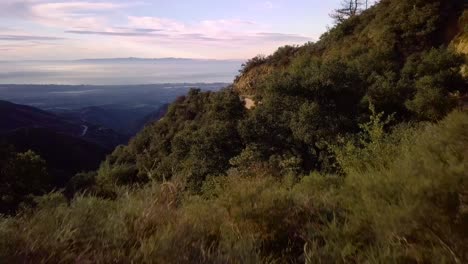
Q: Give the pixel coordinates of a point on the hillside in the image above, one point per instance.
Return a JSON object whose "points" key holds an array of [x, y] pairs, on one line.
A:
{"points": [[15, 116], [384, 36], [67, 146], [64, 155], [314, 93], [354, 152], [460, 43]]}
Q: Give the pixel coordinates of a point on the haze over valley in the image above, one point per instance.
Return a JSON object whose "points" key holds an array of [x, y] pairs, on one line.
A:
{"points": [[123, 108]]}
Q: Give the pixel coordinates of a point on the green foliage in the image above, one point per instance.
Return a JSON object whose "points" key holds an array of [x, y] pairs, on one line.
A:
{"points": [[195, 139], [407, 205], [437, 75], [22, 176], [361, 60], [83, 181], [391, 56], [252, 63]]}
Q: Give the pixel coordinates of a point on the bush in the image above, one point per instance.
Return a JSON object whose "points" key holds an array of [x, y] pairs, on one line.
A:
{"points": [[22, 176], [404, 197]]}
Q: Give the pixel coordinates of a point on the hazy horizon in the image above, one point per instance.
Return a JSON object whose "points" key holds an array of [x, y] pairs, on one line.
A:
{"points": [[62, 41], [118, 73], [124, 58]]}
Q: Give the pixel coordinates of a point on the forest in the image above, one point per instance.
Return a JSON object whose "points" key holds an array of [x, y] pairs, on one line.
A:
{"points": [[355, 151]]}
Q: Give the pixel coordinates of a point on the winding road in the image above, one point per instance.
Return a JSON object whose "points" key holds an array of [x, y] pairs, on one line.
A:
{"points": [[85, 130]]}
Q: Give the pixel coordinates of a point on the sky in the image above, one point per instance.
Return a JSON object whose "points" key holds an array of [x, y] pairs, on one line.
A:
{"points": [[208, 29]]}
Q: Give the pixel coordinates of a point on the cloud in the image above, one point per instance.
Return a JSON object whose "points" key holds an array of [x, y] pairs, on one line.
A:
{"points": [[197, 37], [268, 5], [67, 7], [72, 14], [283, 37], [15, 8], [27, 38], [157, 23], [209, 33], [211, 30], [135, 35], [58, 14], [142, 30], [121, 34], [204, 26]]}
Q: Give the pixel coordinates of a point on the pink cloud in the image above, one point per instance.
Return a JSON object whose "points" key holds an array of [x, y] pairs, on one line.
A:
{"points": [[135, 35]]}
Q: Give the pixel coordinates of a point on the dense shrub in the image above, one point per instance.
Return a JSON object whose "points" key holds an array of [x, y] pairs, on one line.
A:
{"points": [[22, 175], [196, 138]]}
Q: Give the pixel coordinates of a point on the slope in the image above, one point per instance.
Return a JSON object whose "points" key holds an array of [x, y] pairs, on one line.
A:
{"points": [[393, 58], [15, 116], [66, 146]]}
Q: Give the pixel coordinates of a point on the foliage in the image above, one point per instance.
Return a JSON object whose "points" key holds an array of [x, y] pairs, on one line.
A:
{"points": [[409, 206], [437, 77], [407, 202], [22, 176], [348, 9], [195, 139]]}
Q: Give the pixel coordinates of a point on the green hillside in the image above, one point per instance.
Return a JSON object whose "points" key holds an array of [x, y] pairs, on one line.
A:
{"points": [[355, 152], [395, 57]]}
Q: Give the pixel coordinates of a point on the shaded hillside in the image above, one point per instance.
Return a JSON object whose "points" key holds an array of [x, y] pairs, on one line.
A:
{"points": [[126, 120], [460, 43], [152, 117], [67, 147], [65, 155], [15, 116]]}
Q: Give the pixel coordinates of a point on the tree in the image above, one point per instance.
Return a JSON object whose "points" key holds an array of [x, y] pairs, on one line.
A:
{"points": [[349, 8], [22, 176], [432, 77]]}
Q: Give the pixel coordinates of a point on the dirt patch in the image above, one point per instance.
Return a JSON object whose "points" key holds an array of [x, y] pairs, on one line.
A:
{"points": [[249, 103]]}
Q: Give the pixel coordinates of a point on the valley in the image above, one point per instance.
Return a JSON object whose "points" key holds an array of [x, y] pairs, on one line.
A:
{"points": [[124, 109], [73, 128]]}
